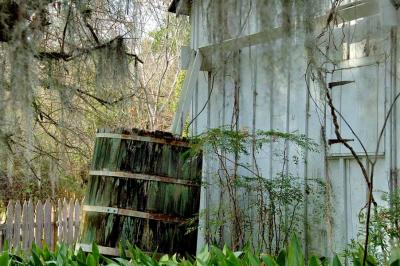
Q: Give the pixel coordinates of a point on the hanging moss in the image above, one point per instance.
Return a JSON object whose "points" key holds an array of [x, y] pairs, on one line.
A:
{"points": [[112, 70]]}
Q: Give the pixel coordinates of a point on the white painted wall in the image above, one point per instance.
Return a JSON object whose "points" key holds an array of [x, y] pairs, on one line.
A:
{"points": [[270, 79]]}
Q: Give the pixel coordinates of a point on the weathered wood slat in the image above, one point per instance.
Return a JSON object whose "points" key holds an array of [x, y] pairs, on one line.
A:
{"points": [[137, 176], [17, 225], [108, 251], [143, 138], [48, 228], [146, 234], [65, 221], [35, 224], [30, 224], [70, 220], [145, 158], [39, 224], [59, 222], [142, 188], [145, 196], [102, 249], [77, 209], [25, 226], [10, 222], [137, 214]]}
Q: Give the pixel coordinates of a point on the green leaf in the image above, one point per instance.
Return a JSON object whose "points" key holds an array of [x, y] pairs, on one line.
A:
{"points": [[46, 255], [107, 260], [395, 256], [252, 260], [5, 259], [232, 259], [60, 260], [281, 259], [96, 253], [122, 250], [5, 246], [395, 263], [336, 261], [203, 257], [35, 258], [123, 262], [81, 257], [269, 261], [295, 252], [90, 260], [314, 261]]}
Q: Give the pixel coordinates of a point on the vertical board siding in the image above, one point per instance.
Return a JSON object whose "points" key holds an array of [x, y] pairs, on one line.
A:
{"points": [[35, 224], [274, 73]]}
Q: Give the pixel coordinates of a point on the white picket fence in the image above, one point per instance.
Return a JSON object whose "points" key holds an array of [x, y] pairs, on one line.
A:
{"points": [[40, 223]]}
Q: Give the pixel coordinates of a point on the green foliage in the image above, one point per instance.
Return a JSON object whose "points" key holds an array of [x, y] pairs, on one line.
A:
{"points": [[207, 257], [178, 89], [159, 39], [274, 202], [384, 228], [238, 142], [165, 36], [355, 253]]}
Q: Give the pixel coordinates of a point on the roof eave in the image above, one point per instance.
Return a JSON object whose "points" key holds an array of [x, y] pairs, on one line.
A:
{"points": [[172, 6], [180, 7]]}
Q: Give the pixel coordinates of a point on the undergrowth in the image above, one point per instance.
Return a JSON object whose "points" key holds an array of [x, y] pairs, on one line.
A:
{"points": [[292, 255]]}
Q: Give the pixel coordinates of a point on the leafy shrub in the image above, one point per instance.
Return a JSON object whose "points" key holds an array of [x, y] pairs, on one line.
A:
{"points": [[384, 228], [256, 206]]}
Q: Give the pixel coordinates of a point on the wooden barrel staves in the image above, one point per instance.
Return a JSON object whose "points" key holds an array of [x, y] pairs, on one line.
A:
{"points": [[144, 189]]}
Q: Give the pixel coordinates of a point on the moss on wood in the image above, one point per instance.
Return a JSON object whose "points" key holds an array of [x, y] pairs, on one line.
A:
{"points": [[150, 158]]}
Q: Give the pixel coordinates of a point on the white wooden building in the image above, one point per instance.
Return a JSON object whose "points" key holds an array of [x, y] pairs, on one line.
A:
{"points": [[248, 65]]}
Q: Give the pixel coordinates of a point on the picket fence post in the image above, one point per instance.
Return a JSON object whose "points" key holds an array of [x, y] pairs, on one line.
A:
{"points": [[41, 223]]}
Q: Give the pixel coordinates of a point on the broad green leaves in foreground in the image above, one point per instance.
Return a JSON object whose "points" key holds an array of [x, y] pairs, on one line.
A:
{"points": [[63, 256]]}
